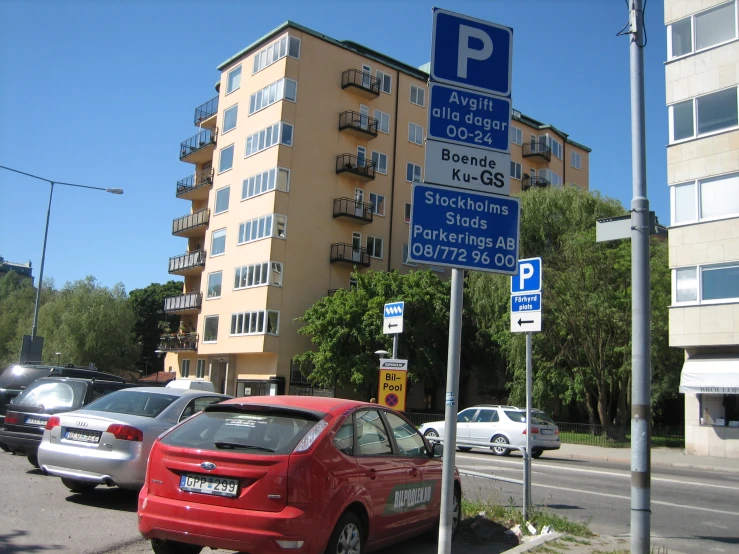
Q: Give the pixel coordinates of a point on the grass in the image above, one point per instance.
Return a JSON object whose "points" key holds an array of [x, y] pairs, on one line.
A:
{"points": [[571, 437]]}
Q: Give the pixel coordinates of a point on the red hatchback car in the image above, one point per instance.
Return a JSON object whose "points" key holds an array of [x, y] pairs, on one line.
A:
{"points": [[291, 474]]}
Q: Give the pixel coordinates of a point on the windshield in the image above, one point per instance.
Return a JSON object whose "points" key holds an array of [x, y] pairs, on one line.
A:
{"points": [[537, 418], [19, 377], [49, 394], [140, 403]]}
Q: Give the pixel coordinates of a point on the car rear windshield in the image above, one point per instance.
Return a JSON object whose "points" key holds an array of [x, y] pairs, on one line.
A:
{"points": [[252, 433], [19, 377], [140, 403], [50, 394], [537, 418]]}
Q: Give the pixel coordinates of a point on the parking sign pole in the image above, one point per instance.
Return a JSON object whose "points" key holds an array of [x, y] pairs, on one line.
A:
{"points": [[527, 454], [395, 347], [450, 411]]}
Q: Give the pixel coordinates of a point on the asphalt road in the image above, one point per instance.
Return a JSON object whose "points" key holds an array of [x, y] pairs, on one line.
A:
{"points": [[694, 511]]}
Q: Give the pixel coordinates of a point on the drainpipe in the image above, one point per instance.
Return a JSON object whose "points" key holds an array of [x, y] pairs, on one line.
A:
{"points": [[392, 180]]}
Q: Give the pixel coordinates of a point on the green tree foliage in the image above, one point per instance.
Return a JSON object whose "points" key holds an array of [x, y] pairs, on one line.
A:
{"points": [[151, 320], [17, 298]]}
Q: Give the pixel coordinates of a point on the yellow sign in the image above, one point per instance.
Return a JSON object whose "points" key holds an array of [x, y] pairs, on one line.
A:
{"points": [[392, 388]]}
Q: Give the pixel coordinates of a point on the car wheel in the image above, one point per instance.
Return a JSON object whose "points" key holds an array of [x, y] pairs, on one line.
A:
{"points": [[33, 459], [80, 487], [536, 453], [464, 448], [456, 510], [160, 546], [497, 448], [431, 434], [347, 537]]}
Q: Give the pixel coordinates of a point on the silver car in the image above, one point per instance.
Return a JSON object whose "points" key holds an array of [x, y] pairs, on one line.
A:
{"points": [[500, 426], [108, 442]]}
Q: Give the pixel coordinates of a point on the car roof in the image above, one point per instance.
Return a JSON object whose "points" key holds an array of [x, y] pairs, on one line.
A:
{"points": [[173, 392], [311, 403]]}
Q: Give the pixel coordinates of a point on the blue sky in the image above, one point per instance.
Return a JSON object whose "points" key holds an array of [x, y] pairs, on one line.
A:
{"points": [[102, 93]]}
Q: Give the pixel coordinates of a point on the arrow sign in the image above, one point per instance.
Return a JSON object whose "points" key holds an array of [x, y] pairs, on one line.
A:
{"points": [[392, 321], [520, 322], [531, 323]]}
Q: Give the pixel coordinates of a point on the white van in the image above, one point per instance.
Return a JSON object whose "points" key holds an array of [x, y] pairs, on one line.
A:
{"points": [[192, 385]]}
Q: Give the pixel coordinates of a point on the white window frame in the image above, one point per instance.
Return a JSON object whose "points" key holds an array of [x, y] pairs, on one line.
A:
{"points": [[407, 165], [516, 135], [228, 78], [699, 284], [518, 175], [381, 75], [213, 236], [379, 115], [418, 90], [234, 107], [697, 184], [280, 89], [276, 128], [205, 324], [254, 314], [244, 272], [694, 100], [414, 129], [207, 286], [380, 155], [261, 61], [379, 200], [261, 223], [551, 141], [250, 183], [374, 241], [215, 205], [692, 17], [185, 369], [220, 155], [576, 156]]}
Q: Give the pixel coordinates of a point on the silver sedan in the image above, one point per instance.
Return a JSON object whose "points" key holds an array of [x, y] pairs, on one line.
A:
{"points": [[108, 442]]}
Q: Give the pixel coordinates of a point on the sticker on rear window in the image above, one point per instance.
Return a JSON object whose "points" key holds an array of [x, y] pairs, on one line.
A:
{"points": [[245, 420]]}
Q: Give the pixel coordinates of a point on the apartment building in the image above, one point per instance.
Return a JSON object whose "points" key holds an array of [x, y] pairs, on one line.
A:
{"points": [[301, 169], [702, 74], [23, 270]]}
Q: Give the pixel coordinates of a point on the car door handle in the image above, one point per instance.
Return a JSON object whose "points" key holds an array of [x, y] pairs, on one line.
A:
{"points": [[414, 472], [372, 474]]}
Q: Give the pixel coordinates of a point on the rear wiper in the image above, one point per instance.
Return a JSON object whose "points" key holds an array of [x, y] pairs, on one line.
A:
{"points": [[238, 445]]}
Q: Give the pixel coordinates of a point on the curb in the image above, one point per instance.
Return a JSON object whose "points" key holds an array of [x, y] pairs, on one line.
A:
{"points": [[536, 541], [654, 463]]}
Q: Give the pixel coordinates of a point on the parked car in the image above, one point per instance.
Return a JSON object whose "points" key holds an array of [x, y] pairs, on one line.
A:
{"points": [[501, 426], [28, 413], [273, 474], [191, 384], [108, 441]]}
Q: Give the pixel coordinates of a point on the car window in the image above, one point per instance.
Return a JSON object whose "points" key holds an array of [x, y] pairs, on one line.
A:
{"points": [[487, 416], [19, 377], [466, 415], [540, 418], [409, 442], [99, 390], [518, 417], [147, 404], [372, 437], [344, 438], [198, 405], [53, 394]]}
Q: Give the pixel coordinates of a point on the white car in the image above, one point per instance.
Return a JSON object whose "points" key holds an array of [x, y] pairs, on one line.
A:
{"points": [[500, 426]]}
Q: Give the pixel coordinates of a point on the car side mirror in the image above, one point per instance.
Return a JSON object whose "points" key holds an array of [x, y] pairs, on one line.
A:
{"points": [[437, 450]]}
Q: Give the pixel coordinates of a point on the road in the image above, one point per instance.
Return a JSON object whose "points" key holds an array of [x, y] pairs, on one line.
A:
{"points": [[694, 511]]}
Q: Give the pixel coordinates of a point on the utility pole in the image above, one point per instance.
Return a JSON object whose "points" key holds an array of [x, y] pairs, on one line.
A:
{"points": [[527, 454]]}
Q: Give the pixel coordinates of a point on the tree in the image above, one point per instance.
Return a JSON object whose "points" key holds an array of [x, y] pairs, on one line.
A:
{"points": [[148, 308]]}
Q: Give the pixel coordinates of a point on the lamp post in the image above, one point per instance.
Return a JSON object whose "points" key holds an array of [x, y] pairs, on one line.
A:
{"points": [[58, 357], [46, 233]]}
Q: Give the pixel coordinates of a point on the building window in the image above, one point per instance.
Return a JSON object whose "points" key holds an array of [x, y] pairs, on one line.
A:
{"points": [[222, 196], [214, 284], [257, 275], [383, 121], [549, 175], [200, 369], [413, 172], [554, 145], [380, 161], [516, 170], [253, 323], [418, 96], [707, 199], [229, 118], [218, 242], [575, 160], [210, 328], [226, 160], [185, 369], [374, 247], [285, 46], [718, 409], [407, 216], [702, 30], [516, 135], [704, 115], [386, 81], [279, 133], [276, 178], [415, 133], [405, 256], [284, 89], [378, 203], [271, 225], [706, 284], [233, 82]]}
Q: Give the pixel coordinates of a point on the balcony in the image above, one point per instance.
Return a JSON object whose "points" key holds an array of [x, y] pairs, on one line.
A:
{"points": [[361, 82], [205, 113], [199, 149], [190, 263], [178, 343], [346, 253], [358, 124], [537, 148], [192, 225], [529, 181], [346, 207], [184, 304], [195, 186], [362, 168]]}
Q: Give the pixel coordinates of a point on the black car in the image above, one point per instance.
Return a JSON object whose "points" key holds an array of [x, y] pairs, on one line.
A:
{"points": [[27, 414]]}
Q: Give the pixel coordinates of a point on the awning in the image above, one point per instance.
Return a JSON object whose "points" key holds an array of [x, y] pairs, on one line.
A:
{"points": [[710, 375]]}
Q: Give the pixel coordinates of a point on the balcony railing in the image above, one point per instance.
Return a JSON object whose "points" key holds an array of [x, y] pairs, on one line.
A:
{"points": [[196, 180], [174, 343], [529, 181], [189, 260], [204, 138], [358, 122], [537, 148], [363, 81], [346, 207], [206, 110], [191, 221], [190, 301], [361, 167], [342, 252]]}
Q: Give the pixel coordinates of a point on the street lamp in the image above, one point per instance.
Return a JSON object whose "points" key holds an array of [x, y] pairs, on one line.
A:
{"points": [[46, 234], [381, 352], [58, 357], [159, 354]]}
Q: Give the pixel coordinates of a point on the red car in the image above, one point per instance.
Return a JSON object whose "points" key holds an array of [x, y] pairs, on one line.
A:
{"points": [[291, 474]]}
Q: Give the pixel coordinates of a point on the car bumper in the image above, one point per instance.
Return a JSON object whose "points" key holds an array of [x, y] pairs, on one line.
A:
{"points": [[25, 443], [229, 528]]}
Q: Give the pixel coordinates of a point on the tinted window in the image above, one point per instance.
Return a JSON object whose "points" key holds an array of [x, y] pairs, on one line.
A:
{"points": [[344, 438], [372, 437], [147, 404], [407, 438], [541, 418], [18, 377], [518, 417], [487, 416], [199, 404], [53, 394], [466, 415]]}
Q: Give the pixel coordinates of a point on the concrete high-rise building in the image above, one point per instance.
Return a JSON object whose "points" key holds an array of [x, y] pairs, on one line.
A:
{"points": [[303, 166], [702, 74]]}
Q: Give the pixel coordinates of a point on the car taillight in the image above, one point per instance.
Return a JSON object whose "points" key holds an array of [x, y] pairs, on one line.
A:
{"points": [[310, 437], [54, 421], [534, 431], [556, 431], [126, 432], [11, 418]]}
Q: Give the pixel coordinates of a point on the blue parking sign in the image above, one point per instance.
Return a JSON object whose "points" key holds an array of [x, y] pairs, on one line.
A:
{"points": [[528, 278]]}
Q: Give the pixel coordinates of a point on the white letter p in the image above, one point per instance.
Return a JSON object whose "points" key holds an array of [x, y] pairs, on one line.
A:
{"points": [[526, 271], [465, 53]]}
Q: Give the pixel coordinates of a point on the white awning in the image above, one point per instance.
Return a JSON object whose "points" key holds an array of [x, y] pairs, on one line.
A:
{"points": [[710, 375]]}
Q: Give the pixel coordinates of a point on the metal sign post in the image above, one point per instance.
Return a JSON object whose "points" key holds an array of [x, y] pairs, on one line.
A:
{"points": [[527, 454]]}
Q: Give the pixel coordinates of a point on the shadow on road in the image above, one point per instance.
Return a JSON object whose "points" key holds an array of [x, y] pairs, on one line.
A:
{"points": [[725, 540], [563, 507], [8, 546], [34, 471], [109, 499]]}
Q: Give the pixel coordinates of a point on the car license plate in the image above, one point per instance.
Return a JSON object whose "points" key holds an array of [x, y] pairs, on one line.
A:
{"points": [[547, 432], [35, 421], [80, 435], [207, 484]]}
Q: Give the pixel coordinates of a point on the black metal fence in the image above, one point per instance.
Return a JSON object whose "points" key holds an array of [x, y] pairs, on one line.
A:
{"points": [[537, 148], [196, 142], [362, 80], [358, 122], [350, 163], [202, 177], [351, 208], [206, 110], [529, 181], [342, 252]]}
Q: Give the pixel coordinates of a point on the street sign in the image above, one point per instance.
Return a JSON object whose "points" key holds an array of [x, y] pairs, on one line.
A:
{"points": [[392, 322], [464, 230], [529, 276], [393, 384], [471, 53], [526, 302], [390, 363], [467, 168], [469, 118], [526, 322]]}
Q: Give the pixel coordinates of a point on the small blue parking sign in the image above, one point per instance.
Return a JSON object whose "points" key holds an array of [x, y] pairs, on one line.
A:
{"points": [[528, 278]]}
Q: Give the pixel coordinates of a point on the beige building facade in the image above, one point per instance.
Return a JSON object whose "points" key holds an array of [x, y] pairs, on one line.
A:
{"points": [[702, 74], [302, 169]]}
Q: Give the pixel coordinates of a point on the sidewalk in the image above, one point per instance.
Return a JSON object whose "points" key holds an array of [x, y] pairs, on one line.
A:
{"points": [[671, 457]]}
